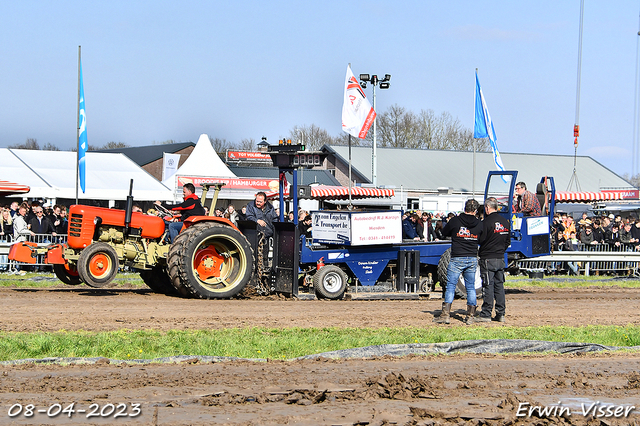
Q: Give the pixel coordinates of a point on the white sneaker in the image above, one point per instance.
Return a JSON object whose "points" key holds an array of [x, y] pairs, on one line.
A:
{"points": [[22, 273]]}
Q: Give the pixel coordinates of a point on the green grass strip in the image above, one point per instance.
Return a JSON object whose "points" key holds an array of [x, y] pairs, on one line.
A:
{"points": [[559, 281], [280, 343]]}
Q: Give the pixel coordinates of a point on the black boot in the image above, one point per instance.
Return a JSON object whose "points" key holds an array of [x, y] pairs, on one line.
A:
{"points": [[471, 314], [445, 315]]}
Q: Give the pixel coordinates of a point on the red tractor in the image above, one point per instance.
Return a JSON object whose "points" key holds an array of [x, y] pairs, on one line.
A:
{"points": [[209, 259]]}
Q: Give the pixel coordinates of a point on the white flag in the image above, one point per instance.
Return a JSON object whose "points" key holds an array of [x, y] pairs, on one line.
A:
{"points": [[169, 165], [357, 113]]}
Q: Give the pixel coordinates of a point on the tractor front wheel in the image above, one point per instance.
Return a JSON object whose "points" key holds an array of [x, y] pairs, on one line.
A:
{"points": [[98, 264]]}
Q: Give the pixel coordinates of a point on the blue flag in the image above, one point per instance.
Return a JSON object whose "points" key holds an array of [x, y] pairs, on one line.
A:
{"points": [[82, 135], [484, 125]]}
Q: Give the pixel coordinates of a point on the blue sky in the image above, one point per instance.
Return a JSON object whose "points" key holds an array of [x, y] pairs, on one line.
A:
{"points": [[158, 70]]}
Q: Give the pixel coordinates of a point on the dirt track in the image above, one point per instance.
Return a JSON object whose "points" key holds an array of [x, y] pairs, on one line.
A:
{"points": [[411, 390]]}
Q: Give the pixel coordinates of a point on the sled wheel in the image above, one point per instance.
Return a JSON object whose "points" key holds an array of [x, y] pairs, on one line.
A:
{"points": [[157, 280], [330, 282], [98, 264], [67, 274], [214, 261]]}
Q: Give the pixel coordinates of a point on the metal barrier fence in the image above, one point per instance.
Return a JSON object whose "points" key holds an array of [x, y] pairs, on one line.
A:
{"points": [[620, 258], [42, 240]]}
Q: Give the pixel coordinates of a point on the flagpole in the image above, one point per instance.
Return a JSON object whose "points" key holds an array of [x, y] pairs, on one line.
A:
{"points": [[350, 206], [78, 128], [473, 184]]}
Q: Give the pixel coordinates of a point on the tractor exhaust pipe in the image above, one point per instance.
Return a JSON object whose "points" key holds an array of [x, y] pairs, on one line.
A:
{"points": [[128, 209]]}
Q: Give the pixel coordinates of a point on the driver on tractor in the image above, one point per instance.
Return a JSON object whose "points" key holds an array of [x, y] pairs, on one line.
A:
{"points": [[189, 207]]}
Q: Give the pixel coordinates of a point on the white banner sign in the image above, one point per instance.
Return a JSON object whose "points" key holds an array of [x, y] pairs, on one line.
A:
{"points": [[376, 228], [538, 225], [330, 227], [169, 165]]}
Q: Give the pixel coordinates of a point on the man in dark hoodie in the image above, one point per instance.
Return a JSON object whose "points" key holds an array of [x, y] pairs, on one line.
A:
{"points": [[464, 231], [494, 242]]}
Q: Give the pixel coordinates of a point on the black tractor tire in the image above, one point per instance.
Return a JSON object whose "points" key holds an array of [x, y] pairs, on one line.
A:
{"points": [[330, 282], [157, 280], [210, 261], [175, 251], [460, 291], [67, 274], [98, 264]]}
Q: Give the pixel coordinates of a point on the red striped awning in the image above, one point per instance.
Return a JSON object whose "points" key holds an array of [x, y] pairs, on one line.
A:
{"points": [[8, 188], [577, 197], [326, 192], [341, 192]]}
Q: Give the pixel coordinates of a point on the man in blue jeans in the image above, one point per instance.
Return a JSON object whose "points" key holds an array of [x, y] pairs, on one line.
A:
{"points": [[464, 231]]}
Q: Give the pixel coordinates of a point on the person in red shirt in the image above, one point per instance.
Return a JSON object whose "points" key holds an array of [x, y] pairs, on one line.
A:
{"points": [[189, 207]]}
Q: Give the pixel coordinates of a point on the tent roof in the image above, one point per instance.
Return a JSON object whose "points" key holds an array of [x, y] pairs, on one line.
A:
{"points": [[52, 174], [203, 161], [143, 155]]}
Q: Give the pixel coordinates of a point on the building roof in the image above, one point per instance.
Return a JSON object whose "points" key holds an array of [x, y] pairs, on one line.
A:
{"points": [[143, 155], [305, 177], [428, 170]]}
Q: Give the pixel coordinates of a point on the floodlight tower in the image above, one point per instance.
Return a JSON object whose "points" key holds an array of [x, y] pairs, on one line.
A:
{"points": [[384, 84]]}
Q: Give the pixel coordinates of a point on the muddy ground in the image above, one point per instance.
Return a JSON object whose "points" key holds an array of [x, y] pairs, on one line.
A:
{"points": [[414, 390]]}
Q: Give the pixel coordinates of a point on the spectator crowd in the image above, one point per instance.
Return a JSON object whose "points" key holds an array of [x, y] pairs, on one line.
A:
{"points": [[40, 223]]}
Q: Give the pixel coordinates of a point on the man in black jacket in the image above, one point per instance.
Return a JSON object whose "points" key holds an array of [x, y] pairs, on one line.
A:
{"points": [[494, 242], [464, 230], [41, 225], [189, 207]]}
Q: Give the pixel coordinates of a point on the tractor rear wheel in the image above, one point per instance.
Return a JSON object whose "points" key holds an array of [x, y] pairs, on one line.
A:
{"points": [[211, 261], [330, 282], [98, 264], [157, 280], [67, 274]]}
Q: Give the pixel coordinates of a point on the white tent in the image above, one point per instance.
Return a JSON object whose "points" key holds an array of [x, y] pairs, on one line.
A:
{"points": [[52, 175], [203, 161]]}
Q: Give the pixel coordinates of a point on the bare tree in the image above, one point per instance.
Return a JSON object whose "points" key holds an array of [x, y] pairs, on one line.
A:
{"points": [[247, 144], [29, 144], [221, 145], [396, 128], [343, 139], [633, 180], [167, 142], [50, 147], [312, 137]]}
